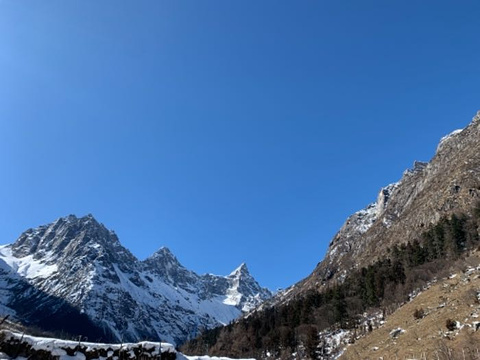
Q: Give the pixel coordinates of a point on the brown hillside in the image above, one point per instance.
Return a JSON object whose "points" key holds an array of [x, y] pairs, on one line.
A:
{"points": [[455, 298]]}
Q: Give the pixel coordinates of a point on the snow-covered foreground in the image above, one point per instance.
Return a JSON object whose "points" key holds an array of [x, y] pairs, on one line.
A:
{"points": [[181, 356], [21, 347]]}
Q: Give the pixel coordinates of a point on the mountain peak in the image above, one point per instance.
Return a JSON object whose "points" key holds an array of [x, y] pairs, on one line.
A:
{"points": [[79, 261], [241, 270], [89, 219], [69, 234], [164, 254], [84, 222], [164, 263], [245, 293], [73, 217], [89, 216], [165, 250]]}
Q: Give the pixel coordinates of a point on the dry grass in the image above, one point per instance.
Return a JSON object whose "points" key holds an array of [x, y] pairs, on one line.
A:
{"points": [[428, 337]]}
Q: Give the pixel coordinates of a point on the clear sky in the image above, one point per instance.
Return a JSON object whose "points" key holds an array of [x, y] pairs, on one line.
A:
{"points": [[228, 131]]}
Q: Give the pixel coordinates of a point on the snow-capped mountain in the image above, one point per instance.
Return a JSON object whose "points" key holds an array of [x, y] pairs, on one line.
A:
{"points": [[77, 267]]}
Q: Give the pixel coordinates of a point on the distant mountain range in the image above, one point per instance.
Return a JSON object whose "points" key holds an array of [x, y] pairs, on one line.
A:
{"points": [[74, 276]]}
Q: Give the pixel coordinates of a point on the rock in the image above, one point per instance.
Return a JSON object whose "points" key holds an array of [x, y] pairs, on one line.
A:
{"points": [[396, 332]]}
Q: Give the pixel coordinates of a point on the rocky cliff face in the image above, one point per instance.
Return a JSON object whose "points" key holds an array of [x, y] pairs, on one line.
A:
{"points": [[448, 183], [77, 267]]}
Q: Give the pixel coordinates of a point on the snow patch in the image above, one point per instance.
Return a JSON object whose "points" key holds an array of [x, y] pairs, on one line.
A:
{"points": [[447, 138], [183, 357], [396, 332], [27, 266]]}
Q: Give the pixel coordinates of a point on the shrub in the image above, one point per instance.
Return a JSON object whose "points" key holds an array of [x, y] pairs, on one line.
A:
{"points": [[419, 314], [451, 324]]}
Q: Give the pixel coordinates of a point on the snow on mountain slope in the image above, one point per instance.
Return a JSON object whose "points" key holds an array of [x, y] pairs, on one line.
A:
{"points": [[26, 266], [243, 291], [78, 262]]}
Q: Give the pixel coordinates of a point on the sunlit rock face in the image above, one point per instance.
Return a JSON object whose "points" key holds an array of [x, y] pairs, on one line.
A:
{"points": [[449, 182]]}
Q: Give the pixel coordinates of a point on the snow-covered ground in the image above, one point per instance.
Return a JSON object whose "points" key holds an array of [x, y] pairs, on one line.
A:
{"points": [[78, 350], [181, 357]]}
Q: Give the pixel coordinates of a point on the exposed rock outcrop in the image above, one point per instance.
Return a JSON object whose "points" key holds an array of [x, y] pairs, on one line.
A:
{"points": [[448, 183]]}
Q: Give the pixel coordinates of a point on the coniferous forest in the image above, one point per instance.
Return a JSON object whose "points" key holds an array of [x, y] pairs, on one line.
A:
{"points": [[384, 285]]}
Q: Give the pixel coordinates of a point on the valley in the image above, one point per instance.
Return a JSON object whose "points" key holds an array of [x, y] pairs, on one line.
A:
{"points": [[413, 250]]}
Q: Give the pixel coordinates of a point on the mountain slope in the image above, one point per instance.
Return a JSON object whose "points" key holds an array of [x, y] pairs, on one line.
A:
{"points": [[450, 182], [79, 263], [426, 335], [417, 228]]}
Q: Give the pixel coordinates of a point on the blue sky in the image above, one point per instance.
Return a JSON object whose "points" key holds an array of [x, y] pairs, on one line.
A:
{"points": [[228, 131]]}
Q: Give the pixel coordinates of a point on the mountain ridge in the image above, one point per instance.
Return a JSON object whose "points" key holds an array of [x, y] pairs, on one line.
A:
{"points": [[452, 176], [78, 260]]}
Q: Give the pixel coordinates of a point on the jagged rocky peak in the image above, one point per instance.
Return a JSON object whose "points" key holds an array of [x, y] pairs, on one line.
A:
{"points": [[244, 291], [242, 278], [384, 196], [165, 264], [163, 254], [162, 260], [70, 234], [418, 167], [241, 272], [78, 261], [362, 220]]}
